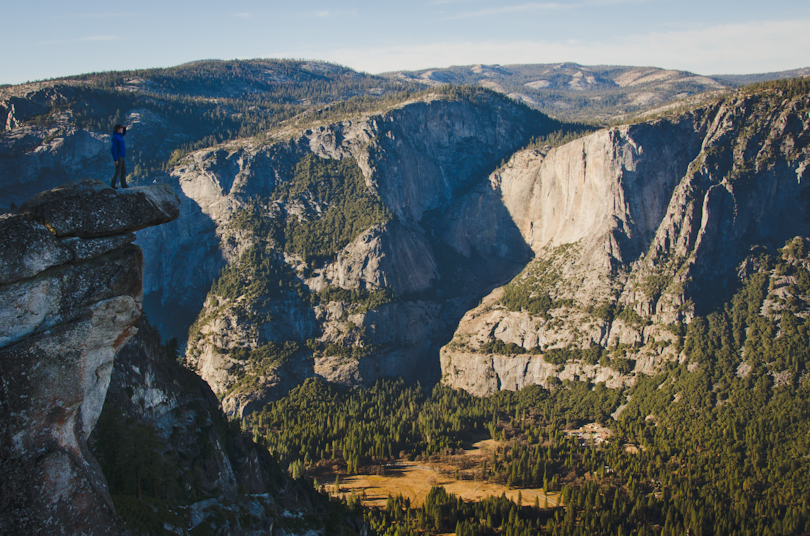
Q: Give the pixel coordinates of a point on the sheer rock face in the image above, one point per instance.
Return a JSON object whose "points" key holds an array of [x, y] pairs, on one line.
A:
{"points": [[428, 150], [415, 157], [635, 230], [67, 305], [150, 387]]}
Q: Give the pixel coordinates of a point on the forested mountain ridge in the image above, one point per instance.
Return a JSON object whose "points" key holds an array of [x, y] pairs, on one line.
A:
{"points": [[52, 130]]}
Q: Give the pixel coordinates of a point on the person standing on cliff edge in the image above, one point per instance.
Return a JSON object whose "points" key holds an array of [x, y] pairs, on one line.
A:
{"points": [[119, 150]]}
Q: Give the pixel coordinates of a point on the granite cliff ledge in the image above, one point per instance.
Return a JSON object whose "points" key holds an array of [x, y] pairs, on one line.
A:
{"points": [[71, 289]]}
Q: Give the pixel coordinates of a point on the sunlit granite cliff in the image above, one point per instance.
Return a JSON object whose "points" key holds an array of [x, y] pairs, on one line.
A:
{"points": [[635, 230]]}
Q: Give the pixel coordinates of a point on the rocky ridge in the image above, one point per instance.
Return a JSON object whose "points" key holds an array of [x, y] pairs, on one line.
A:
{"points": [[412, 161], [635, 230], [70, 295], [52, 131]]}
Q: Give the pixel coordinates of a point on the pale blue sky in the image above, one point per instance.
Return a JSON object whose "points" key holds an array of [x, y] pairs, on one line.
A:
{"points": [[45, 38]]}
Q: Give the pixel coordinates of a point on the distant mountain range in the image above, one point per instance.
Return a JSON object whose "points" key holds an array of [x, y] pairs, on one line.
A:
{"points": [[593, 93]]}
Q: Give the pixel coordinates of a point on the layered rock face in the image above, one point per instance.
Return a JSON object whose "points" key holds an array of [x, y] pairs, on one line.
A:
{"points": [[70, 294], [635, 230]]}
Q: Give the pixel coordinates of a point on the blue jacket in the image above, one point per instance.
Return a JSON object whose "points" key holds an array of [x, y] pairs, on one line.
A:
{"points": [[118, 148]]}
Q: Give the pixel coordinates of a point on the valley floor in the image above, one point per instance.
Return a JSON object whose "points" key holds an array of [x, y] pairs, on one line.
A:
{"points": [[414, 479]]}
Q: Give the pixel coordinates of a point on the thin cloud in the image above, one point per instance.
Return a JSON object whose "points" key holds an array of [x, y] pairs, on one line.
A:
{"points": [[82, 39], [537, 6], [243, 15], [322, 14], [591, 3], [100, 38], [509, 10], [446, 2], [77, 16]]}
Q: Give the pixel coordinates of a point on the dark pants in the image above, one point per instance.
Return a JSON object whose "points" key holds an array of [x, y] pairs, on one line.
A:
{"points": [[120, 171]]}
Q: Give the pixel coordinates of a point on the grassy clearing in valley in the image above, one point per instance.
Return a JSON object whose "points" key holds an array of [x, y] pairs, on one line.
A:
{"points": [[414, 479]]}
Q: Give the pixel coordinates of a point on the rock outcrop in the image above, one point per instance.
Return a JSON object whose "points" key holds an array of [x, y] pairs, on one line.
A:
{"points": [[70, 295], [387, 256], [415, 157], [635, 230]]}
